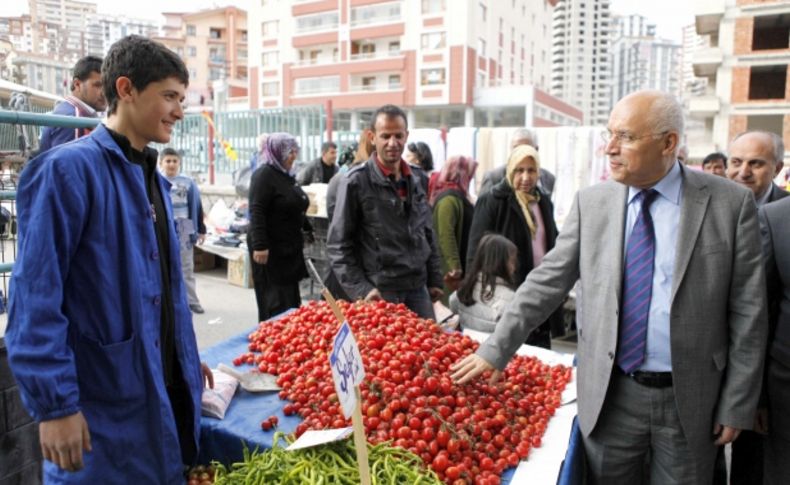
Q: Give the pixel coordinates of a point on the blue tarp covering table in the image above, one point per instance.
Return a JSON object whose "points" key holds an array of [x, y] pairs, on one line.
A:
{"points": [[222, 439]]}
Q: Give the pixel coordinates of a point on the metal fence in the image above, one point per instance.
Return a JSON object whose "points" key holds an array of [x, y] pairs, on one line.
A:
{"points": [[225, 135]]}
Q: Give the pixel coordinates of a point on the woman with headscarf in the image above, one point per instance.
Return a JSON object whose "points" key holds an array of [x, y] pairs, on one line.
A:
{"points": [[516, 209], [277, 222], [452, 217]]}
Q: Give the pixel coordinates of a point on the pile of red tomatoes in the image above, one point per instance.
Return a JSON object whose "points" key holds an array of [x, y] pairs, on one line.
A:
{"points": [[467, 434]]}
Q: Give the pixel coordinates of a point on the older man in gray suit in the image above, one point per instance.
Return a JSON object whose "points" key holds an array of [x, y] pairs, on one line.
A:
{"points": [[671, 351], [775, 228]]}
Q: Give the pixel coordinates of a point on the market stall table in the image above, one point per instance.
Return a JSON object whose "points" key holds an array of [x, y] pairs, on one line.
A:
{"points": [[222, 440]]}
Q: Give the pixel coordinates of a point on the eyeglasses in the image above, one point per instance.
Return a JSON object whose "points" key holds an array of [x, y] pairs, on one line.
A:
{"points": [[624, 137]]}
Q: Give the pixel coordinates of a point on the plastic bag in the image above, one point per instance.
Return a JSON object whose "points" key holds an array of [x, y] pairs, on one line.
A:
{"points": [[215, 402]]}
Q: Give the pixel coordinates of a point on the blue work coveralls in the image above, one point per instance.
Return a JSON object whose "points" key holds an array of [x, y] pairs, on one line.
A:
{"points": [[84, 316]]}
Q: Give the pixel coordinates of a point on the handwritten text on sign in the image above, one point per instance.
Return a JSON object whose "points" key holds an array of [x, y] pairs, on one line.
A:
{"points": [[347, 370]]}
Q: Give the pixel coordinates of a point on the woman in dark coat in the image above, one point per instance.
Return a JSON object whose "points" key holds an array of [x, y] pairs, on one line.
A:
{"points": [[277, 222], [516, 209]]}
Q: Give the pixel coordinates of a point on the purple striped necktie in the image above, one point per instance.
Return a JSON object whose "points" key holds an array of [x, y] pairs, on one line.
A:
{"points": [[637, 287]]}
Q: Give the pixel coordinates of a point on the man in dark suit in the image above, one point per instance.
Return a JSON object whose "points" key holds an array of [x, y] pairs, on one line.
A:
{"points": [[756, 157], [521, 136], [775, 228], [671, 350]]}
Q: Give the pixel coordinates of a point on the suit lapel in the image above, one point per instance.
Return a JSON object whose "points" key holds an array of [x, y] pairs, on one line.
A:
{"points": [[692, 212], [613, 247]]}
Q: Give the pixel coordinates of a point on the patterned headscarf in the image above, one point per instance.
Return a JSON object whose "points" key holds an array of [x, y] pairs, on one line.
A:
{"points": [[518, 155], [278, 148], [457, 173]]}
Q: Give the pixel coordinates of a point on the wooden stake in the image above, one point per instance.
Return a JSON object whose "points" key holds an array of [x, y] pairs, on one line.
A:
{"points": [[360, 440]]}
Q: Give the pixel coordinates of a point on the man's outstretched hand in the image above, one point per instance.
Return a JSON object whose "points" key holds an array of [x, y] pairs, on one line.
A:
{"points": [[470, 367]]}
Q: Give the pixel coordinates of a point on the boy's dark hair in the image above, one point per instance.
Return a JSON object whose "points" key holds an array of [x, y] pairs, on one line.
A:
{"points": [[143, 61], [390, 111], [169, 151], [423, 153], [327, 145], [491, 261], [713, 157], [83, 69]]}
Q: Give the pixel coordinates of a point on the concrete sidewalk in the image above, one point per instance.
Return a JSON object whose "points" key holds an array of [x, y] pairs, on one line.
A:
{"points": [[230, 309]]}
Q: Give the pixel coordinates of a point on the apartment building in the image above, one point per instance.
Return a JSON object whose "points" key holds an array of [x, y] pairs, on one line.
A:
{"points": [[43, 72], [71, 16], [640, 60], [746, 65], [20, 31], [459, 63], [692, 42], [213, 45], [104, 30], [581, 57]]}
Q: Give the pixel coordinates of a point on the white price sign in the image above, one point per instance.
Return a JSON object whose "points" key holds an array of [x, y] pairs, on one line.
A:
{"points": [[347, 371]]}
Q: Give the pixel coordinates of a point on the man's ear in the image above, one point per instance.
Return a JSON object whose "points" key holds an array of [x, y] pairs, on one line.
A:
{"points": [[671, 142], [123, 85], [779, 166]]}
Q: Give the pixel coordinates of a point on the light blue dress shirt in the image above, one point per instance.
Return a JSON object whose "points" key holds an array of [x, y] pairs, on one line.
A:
{"points": [[665, 212]]}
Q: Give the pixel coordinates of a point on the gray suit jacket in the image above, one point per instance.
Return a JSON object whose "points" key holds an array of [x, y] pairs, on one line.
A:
{"points": [[775, 228], [718, 321]]}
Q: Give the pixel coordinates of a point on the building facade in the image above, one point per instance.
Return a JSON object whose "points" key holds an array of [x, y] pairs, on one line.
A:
{"points": [[581, 57], [448, 63], [642, 61], [746, 65], [213, 44], [44, 73], [71, 16], [104, 30]]}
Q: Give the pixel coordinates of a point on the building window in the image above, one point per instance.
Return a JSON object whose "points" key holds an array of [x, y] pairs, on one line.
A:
{"points": [[270, 59], [192, 51], [483, 12], [270, 89], [394, 47], [214, 33], [315, 85], [430, 77], [771, 32], [269, 28], [321, 21], [433, 40], [384, 12], [369, 83], [394, 81], [215, 73], [191, 30], [432, 6], [481, 47], [767, 82]]}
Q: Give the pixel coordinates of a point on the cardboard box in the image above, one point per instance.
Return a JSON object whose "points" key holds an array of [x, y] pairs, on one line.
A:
{"points": [[240, 272], [203, 261]]}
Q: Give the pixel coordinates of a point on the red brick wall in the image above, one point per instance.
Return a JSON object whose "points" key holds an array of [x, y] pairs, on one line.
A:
{"points": [[744, 27], [740, 84], [737, 125], [786, 131]]}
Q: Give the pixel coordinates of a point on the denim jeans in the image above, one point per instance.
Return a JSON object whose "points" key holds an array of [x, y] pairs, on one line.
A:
{"points": [[418, 301]]}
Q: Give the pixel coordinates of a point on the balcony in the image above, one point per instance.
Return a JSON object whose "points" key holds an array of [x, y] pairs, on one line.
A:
{"points": [[708, 15], [707, 61], [376, 55], [703, 107]]}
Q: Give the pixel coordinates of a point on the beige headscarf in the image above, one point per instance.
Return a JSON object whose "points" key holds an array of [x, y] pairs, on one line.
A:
{"points": [[518, 155]]}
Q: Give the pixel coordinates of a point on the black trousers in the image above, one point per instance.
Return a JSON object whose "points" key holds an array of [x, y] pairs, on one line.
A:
{"points": [[272, 299]]}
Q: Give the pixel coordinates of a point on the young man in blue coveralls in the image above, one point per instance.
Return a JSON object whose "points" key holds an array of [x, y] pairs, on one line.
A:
{"points": [[100, 335]]}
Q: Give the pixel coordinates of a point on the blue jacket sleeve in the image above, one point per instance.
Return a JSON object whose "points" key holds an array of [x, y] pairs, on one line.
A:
{"points": [[51, 208], [51, 136]]}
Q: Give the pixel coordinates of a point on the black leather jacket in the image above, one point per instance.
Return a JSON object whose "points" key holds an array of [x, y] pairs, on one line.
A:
{"points": [[377, 240]]}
